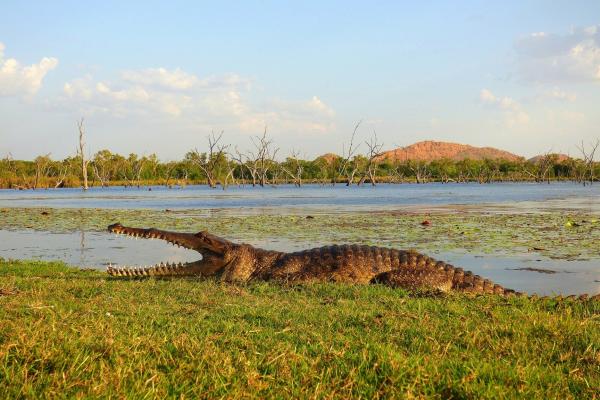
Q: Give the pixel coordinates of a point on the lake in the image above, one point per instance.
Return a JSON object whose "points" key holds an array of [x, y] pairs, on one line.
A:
{"points": [[314, 197]]}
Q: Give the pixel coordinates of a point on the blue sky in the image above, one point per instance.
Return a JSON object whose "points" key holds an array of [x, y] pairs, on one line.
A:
{"points": [[157, 77]]}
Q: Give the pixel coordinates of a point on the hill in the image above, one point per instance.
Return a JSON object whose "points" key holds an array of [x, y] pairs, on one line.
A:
{"points": [[327, 157], [430, 150], [559, 157]]}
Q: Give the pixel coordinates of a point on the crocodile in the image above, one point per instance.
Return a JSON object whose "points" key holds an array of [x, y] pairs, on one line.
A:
{"points": [[356, 264]]}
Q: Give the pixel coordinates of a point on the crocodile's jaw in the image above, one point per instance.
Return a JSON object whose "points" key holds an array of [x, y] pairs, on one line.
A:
{"points": [[161, 269], [185, 240]]}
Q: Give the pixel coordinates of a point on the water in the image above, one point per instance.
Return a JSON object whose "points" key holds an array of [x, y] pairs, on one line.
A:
{"points": [[99, 249], [310, 197]]}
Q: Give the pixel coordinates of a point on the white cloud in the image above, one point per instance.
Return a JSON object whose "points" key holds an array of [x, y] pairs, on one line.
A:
{"points": [[161, 77], [317, 105], [562, 117], [311, 116], [546, 57], [16, 79], [178, 80], [557, 94], [80, 88], [512, 110], [216, 100]]}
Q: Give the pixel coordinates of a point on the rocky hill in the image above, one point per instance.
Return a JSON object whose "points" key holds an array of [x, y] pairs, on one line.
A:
{"points": [[328, 157], [559, 157], [430, 150]]}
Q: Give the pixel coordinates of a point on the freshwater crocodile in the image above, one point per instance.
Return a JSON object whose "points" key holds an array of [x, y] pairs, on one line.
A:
{"points": [[358, 264]]}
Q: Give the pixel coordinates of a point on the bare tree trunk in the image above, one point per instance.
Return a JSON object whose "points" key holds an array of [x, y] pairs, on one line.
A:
{"points": [[372, 163], [84, 162], [588, 161], [168, 172], [208, 162], [41, 169], [262, 160], [346, 161], [62, 175]]}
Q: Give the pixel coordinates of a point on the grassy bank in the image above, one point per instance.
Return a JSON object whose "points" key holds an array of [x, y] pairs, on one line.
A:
{"points": [[71, 333]]}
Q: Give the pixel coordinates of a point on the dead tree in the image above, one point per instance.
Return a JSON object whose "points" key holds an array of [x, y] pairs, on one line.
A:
{"points": [[374, 154], [209, 162], [61, 175], [252, 165], [294, 171], [419, 168], [80, 152], [229, 175], [10, 164], [101, 165], [137, 166], [238, 158], [169, 167], [588, 161], [101, 174], [346, 167], [397, 173], [541, 167], [262, 160], [421, 171], [546, 163], [42, 167], [231, 165]]}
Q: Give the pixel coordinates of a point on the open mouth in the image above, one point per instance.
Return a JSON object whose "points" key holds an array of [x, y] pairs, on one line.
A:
{"points": [[162, 268]]}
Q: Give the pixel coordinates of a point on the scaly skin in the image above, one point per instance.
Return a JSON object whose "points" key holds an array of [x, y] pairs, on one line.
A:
{"points": [[232, 262]]}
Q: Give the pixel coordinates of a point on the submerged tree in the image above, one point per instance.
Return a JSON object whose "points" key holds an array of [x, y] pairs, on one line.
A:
{"points": [[42, 167], [80, 153], [293, 167], [588, 161], [345, 165], [211, 162], [372, 160]]}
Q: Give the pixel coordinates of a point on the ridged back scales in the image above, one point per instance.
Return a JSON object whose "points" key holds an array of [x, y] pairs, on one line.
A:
{"points": [[364, 264]]}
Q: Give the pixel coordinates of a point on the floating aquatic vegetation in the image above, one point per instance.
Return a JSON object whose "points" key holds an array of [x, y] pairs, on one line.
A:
{"points": [[468, 230]]}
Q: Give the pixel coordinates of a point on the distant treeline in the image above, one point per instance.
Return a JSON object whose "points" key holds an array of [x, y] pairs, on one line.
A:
{"points": [[217, 167]]}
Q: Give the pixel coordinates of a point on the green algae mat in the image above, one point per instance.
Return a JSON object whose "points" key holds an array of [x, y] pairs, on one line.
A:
{"points": [[68, 333]]}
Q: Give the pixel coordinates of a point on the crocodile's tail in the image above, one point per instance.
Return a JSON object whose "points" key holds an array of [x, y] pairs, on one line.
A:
{"points": [[162, 269], [418, 271], [466, 281]]}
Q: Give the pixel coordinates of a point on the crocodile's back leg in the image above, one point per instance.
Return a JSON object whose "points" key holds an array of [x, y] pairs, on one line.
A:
{"points": [[426, 278], [413, 270]]}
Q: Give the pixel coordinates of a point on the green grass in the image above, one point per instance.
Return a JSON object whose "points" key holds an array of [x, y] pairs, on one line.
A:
{"points": [[68, 333]]}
